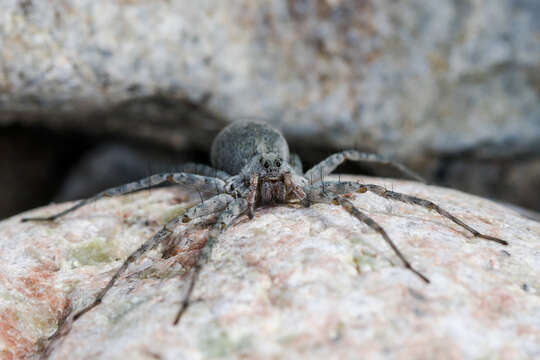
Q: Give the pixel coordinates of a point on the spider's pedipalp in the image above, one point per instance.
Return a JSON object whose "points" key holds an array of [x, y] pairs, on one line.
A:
{"points": [[233, 210], [196, 182], [295, 186], [325, 167]]}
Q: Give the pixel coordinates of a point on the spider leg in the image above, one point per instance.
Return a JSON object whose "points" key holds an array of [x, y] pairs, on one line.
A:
{"points": [[351, 209], [148, 245], [325, 167], [296, 164], [210, 206], [235, 184], [349, 186], [202, 169], [196, 182], [252, 195], [325, 196], [235, 208]]}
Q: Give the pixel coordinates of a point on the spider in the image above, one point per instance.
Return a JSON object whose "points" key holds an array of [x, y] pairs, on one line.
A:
{"points": [[252, 166]]}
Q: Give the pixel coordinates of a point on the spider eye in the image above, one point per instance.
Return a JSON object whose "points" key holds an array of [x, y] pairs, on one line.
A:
{"points": [[278, 163], [266, 164]]}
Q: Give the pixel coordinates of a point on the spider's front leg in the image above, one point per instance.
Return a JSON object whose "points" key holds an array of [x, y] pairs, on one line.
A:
{"points": [[325, 167], [328, 192], [344, 187], [233, 210], [196, 182]]}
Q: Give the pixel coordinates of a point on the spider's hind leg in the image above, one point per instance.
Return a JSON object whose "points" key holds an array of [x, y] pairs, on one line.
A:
{"points": [[325, 167]]}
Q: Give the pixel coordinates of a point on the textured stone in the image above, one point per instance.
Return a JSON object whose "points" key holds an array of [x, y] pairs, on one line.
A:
{"points": [[292, 283]]}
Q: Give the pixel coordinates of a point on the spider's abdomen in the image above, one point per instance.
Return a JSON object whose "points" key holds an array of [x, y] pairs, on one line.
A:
{"points": [[236, 144]]}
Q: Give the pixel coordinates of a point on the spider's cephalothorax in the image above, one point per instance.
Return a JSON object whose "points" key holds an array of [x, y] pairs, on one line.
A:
{"points": [[259, 156], [251, 166]]}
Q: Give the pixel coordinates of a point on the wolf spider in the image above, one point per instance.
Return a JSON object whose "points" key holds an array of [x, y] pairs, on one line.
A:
{"points": [[252, 166]]}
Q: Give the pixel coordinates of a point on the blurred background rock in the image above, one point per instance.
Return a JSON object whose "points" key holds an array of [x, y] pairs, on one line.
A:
{"points": [[96, 93]]}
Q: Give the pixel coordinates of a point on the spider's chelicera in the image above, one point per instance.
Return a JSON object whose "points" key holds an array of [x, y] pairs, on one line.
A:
{"points": [[252, 166]]}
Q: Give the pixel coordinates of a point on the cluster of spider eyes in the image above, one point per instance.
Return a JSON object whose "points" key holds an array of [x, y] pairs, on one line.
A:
{"points": [[267, 164]]}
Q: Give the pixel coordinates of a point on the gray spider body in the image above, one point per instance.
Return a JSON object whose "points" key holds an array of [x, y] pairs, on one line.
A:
{"points": [[258, 157], [252, 166], [239, 142]]}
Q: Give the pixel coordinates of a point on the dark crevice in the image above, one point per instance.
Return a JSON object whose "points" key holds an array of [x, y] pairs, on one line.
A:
{"points": [[39, 165]]}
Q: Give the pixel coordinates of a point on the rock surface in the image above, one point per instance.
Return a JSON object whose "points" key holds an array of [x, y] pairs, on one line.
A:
{"points": [[291, 283]]}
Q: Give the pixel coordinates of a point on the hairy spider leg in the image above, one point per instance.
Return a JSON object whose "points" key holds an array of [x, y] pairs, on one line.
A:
{"points": [[392, 195], [350, 186], [327, 192], [202, 169], [151, 243], [252, 194], [325, 167], [235, 208], [211, 206], [319, 193], [351, 209], [141, 250], [196, 182]]}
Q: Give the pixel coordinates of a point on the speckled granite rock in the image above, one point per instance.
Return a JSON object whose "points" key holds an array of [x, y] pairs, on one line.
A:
{"points": [[292, 283]]}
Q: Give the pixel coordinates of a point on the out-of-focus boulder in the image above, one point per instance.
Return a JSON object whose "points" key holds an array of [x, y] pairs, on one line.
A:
{"points": [[419, 81]]}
